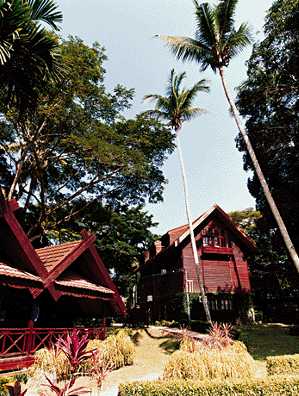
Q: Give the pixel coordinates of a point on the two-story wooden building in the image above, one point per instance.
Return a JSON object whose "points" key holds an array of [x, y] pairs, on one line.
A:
{"points": [[168, 286]]}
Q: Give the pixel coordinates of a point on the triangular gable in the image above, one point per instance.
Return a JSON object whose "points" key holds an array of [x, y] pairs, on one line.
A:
{"points": [[50, 263], [16, 243], [215, 210], [58, 259]]}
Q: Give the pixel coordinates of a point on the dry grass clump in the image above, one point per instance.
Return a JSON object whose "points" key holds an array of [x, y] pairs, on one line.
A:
{"points": [[217, 357], [118, 350], [51, 362], [230, 363]]}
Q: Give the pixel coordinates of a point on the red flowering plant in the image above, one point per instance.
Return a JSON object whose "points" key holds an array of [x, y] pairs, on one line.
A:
{"points": [[219, 336], [15, 389], [67, 389], [74, 348]]}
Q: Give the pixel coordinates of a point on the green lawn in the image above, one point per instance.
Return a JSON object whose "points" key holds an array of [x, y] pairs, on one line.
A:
{"points": [[269, 340]]}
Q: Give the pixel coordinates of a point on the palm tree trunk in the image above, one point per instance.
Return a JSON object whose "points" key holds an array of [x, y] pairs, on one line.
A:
{"points": [[193, 243], [284, 232]]}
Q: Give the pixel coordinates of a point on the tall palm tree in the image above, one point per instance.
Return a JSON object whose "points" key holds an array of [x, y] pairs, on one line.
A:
{"points": [[215, 43], [176, 108], [28, 53]]}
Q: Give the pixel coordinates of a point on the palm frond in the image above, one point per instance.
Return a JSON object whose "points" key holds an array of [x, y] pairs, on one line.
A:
{"points": [[177, 81], [237, 41], [13, 17], [192, 113], [176, 106], [157, 114], [169, 85], [225, 12], [190, 94], [188, 49], [205, 23], [151, 97], [46, 11]]}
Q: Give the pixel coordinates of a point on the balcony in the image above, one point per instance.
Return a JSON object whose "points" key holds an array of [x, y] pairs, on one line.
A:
{"points": [[216, 250]]}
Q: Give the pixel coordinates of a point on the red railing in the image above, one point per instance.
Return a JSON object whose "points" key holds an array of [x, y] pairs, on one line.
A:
{"points": [[26, 341]]}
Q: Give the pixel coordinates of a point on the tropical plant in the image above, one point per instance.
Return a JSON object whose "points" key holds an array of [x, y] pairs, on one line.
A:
{"points": [[15, 389], [216, 42], [67, 389], [74, 347], [28, 52], [176, 108], [100, 367], [219, 336]]}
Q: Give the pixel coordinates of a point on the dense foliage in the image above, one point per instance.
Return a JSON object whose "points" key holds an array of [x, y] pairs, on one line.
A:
{"points": [[75, 161], [275, 288], [269, 100], [285, 364], [29, 54]]}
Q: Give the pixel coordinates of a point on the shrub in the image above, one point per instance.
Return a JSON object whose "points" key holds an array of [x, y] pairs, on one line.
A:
{"points": [[21, 377], [285, 364], [272, 386], [118, 350], [51, 362], [232, 362], [3, 382]]}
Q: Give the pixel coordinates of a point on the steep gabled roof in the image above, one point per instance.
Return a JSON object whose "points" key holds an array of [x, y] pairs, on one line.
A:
{"points": [[13, 274], [177, 235], [51, 256], [215, 210], [48, 268]]}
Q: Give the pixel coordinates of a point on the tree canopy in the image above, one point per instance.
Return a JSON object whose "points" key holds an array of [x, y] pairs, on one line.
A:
{"points": [[269, 101], [76, 161]]}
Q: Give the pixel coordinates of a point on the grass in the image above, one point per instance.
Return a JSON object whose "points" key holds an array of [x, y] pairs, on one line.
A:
{"points": [[269, 340]]}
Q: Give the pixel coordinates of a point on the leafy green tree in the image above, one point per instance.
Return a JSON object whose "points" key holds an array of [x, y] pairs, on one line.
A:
{"points": [[77, 143], [269, 101], [216, 42], [274, 282], [176, 108], [28, 53], [75, 161]]}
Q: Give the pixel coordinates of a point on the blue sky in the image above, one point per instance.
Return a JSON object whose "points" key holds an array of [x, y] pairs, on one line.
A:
{"points": [[137, 60]]}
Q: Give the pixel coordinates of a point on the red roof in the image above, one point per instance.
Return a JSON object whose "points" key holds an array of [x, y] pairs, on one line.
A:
{"points": [[178, 234], [49, 266], [77, 282], [11, 272], [51, 256]]}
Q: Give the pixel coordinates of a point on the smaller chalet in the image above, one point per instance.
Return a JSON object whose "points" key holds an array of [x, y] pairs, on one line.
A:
{"points": [[168, 286], [43, 291]]}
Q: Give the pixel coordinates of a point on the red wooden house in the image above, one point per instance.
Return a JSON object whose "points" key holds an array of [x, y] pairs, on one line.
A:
{"points": [[42, 291], [168, 285]]}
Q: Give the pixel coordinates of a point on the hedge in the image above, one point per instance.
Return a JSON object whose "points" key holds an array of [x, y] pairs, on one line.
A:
{"points": [[272, 386], [285, 364]]}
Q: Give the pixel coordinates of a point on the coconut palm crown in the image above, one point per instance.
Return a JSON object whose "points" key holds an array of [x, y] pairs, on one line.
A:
{"points": [[28, 52], [176, 107], [216, 39]]}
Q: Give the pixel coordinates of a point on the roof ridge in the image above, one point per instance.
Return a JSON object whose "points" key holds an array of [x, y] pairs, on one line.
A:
{"points": [[60, 245]]}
